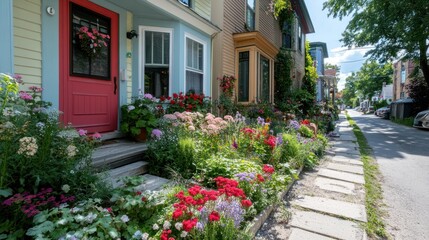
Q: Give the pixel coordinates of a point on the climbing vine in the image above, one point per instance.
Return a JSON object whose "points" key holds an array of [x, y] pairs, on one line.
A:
{"points": [[283, 80]]}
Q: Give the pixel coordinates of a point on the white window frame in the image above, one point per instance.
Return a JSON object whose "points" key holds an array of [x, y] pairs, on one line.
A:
{"points": [[204, 43], [142, 55]]}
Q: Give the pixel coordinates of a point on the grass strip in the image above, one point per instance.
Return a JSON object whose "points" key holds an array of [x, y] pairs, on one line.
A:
{"points": [[373, 198]]}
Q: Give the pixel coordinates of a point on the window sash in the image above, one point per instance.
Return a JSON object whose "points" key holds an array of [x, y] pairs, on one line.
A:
{"points": [[157, 48], [264, 79], [194, 55], [250, 14], [243, 80]]}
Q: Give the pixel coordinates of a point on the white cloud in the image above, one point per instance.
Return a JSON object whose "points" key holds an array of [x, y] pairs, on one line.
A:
{"points": [[342, 82]]}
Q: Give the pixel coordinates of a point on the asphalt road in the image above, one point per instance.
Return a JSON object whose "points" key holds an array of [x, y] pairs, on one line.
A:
{"points": [[403, 157]]}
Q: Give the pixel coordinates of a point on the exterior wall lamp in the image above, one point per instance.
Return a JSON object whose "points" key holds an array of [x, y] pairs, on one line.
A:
{"points": [[131, 34]]}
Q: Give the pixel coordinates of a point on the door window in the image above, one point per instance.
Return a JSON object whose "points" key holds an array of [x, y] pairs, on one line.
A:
{"points": [[90, 46], [243, 73], [264, 79]]}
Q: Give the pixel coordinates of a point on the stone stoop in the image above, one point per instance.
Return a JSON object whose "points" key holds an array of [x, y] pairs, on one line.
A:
{"points": [[118, 158]]}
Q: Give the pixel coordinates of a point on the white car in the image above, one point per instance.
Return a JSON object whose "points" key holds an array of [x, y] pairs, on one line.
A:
{"points": [[422, 119]]}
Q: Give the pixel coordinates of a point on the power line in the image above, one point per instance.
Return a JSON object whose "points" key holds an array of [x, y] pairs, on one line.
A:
{"points": [[354, 61]]}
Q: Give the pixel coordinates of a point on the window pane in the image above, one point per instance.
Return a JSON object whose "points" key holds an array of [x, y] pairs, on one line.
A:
{"points": [[85, 61], [200, 57], [148, 46], [188, 52], [156, 81], [243, 80], [194, 82], [157, 47], [264, 79], [166, 48]]}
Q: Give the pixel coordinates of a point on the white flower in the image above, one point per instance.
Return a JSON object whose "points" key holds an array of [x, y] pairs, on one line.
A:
{"points": [[131, 107], [27, 146], [65, 188], [155, 227], [125, 218], [145, 236], [71, 171], [178, 226], [184, 234], [71, 151], [166, 225]]}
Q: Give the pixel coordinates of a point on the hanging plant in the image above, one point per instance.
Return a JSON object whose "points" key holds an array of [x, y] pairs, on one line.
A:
{"points": [[92, 42]]}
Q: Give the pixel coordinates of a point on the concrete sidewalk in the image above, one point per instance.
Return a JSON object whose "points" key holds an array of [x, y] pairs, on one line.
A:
{"points": [[328, 202]]}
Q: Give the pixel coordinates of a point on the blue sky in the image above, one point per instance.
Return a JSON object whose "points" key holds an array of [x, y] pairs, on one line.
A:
{"points": [[329, 30]]}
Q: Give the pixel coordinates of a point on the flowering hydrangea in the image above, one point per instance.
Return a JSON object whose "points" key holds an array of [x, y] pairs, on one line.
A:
{"points": [[156, 134], [25, 96], [27, 146]]}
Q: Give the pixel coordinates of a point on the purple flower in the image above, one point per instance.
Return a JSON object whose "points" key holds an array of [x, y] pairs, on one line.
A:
{"points": [[148, 96], [235, 145], [156, 133], [232, 210], [279, 140], [261, 121], [245, 176], [294, 124]]}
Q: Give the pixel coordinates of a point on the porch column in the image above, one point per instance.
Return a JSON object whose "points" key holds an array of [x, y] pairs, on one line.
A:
{"points": [[6, 36]]}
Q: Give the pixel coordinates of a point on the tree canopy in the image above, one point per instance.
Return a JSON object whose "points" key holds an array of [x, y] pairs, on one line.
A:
{"points": [[397, 29]]}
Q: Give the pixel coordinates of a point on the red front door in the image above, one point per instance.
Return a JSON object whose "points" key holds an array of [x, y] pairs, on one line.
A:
{"points": [[88, 66]]}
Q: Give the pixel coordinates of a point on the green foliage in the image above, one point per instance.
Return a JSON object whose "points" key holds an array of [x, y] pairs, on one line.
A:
{"points": [[290, 151], [371, 76], [305, 131], [138, 115], [8, 89], [418, 90], [381, 103], [282, 78], [215, 166], [390, 26], [406, 121], [310, 78]]}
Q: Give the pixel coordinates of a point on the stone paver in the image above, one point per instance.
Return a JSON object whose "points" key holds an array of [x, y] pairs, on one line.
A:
{"points": [[335, 207], [299, 234], [342, 144], [335, 185], [346, 168], [326, 225], [349, 177], [345, 137], [342, 159], [347, 155], [349, 151]]}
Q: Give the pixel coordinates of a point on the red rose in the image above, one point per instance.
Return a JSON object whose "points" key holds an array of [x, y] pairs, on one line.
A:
{"points": [[175, 95], [172, 102]]}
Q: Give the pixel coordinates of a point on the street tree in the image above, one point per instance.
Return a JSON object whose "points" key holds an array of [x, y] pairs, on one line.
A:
{"points": [[371, 76], [397, 29], [349, 93]]}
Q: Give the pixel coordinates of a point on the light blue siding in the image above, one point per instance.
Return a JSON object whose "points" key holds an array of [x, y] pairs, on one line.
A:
{"points": [[6, 36]]}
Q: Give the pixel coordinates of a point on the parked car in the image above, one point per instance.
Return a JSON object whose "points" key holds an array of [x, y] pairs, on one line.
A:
{"points": [[422, 120], [383, 112]]}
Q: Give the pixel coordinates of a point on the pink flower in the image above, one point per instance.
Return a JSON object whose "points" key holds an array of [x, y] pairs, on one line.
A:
{"points": [[82, 132], [25, 96], [96, 135]]}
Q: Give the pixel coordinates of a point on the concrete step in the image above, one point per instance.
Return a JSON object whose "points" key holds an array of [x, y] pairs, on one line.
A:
{"points": [[152, 183], [116, 153], [133, 169]]}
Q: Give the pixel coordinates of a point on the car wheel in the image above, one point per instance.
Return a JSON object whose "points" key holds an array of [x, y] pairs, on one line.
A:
{"points": [[425, 124]]}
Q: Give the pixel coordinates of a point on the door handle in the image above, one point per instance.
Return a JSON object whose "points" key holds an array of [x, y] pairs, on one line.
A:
{"points": [[115, 85]]}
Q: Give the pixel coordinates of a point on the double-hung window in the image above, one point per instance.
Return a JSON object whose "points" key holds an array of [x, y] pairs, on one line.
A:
{"points": [[250, 14], [264, 79], [157, 48], [194, 66], [286, 35]]}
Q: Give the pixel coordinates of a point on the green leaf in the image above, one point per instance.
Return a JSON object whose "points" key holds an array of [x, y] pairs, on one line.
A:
{"points": [[47, 226], [6, 192]]}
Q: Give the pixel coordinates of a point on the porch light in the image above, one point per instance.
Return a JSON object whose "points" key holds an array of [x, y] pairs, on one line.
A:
{"points": [[131, 34]]}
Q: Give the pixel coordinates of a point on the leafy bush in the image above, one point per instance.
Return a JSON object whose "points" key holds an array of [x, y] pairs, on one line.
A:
{"points": [[305, 131]]}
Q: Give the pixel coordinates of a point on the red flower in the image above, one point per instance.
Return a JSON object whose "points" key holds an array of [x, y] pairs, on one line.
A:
{"points": [[138, 193], [188, 225], [305, 122], [177, 214], [260, 178], [271, 141], [175, 95], [268, 168], [144, 199], [194, 190], [109, 210], [246, 203], [172, 102], [162, 99], [214, 216], [164, 234]]}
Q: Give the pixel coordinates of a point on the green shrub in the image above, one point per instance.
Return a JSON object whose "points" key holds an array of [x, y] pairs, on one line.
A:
{"points": [[305, 131], [290, 151]]}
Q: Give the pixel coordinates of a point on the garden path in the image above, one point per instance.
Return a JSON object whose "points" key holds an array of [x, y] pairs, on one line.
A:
{"points": [[328, 202]]}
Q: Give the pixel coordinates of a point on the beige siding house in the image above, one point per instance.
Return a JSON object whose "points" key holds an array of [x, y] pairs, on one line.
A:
{"points": [[247, 47]]}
